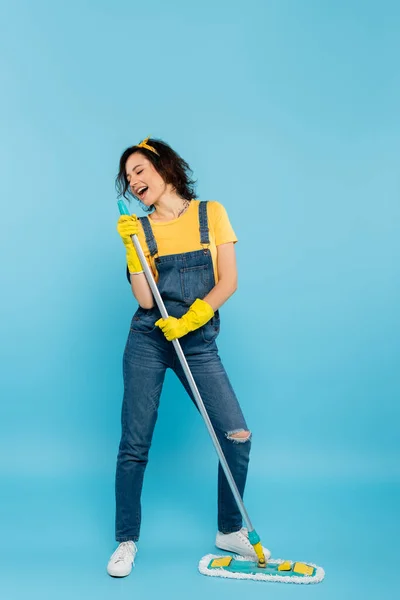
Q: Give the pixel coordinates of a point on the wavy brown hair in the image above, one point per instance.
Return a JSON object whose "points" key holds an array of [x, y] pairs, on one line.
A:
{"points": [[172, 168]]}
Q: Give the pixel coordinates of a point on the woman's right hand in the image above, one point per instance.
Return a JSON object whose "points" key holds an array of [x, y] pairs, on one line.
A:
{"points": [[127, 226]]}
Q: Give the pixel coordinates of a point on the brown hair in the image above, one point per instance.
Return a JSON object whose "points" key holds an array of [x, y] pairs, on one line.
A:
{"points": [[172, 168]]}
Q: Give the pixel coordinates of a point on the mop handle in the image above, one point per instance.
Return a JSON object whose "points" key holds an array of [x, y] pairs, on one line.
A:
{"points": [[149, 275]]}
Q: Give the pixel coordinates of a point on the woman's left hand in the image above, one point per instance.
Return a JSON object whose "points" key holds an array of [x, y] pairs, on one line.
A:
{"points": [[199, 313]]}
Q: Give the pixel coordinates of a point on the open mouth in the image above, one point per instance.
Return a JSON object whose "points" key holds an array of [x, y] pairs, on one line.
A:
{"points": [[142, 192]]}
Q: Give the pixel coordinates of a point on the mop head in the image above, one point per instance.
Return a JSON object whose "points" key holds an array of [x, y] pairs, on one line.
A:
{"points": [[240, 567]]}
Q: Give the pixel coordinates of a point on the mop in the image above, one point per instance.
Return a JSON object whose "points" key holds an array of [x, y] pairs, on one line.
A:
{"points": [[238, 567]]}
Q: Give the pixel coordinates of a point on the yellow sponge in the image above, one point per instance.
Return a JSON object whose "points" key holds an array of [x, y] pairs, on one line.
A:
{"points": [[224, 561], [303, 569], [285, 566]]}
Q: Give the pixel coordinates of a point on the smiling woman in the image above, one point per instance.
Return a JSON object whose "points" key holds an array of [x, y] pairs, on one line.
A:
{"points": [[165, 162], [189, 244]]}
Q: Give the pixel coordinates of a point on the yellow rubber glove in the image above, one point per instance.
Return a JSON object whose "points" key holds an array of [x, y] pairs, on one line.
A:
{"points": [[199, 313], [129, 225]]}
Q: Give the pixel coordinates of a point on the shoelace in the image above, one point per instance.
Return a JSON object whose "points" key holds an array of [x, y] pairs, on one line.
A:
{"points": [[245, 532], [124, 549]]}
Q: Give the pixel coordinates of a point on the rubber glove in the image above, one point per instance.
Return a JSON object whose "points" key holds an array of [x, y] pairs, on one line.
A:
{"points": [[199, 313], [129, 225]]}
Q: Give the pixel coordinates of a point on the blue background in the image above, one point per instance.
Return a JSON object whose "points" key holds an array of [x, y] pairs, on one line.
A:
{"points": [[288, 114]]}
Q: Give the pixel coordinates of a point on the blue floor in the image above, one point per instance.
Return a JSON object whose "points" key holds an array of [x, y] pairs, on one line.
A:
{"points": [[59, 534]]}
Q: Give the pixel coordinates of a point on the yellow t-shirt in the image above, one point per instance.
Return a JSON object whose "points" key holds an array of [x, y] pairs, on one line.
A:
{"points": [[182, 234]]}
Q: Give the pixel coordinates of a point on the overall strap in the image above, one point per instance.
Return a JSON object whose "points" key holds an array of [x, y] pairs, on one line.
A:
{"points": [[203, 220], [204, 231], [150, 239]]}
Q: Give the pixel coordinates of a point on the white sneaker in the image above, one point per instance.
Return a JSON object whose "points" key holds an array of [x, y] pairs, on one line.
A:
{"points": [[121, 561], [238, 542]]}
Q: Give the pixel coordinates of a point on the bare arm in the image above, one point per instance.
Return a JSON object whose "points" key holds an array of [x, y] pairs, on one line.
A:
{"points": [[227, 276], [141, 290]]}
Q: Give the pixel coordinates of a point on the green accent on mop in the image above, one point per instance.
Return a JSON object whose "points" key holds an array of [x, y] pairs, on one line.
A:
{"points": [[123, 209], [226, 566]]}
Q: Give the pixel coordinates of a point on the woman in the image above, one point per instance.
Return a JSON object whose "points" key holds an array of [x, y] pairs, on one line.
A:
{"points": [[189, 246]]}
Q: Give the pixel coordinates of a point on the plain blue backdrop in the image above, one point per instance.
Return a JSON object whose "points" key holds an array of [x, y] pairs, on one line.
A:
{"points": [[287, 112]]}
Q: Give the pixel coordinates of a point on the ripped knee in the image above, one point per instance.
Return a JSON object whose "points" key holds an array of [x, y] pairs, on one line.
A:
{"points": [[239, 436]]}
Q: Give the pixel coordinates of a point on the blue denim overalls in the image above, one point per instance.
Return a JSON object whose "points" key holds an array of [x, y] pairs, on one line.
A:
{"points": [[182, 278]]}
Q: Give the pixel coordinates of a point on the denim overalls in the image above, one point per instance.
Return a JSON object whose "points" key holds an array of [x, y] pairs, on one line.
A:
{"points": [[182, 278]]}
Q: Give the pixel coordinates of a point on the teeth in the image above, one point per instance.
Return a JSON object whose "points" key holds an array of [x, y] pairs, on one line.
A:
{"points": [[141, 189]]}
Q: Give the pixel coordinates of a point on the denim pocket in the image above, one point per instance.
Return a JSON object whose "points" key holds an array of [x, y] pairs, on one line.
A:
{"points": [[143, 321], [211, 329], [195, 282]]}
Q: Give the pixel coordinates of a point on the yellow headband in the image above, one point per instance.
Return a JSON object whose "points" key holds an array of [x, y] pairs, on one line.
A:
{"points": [[144, 144]]}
